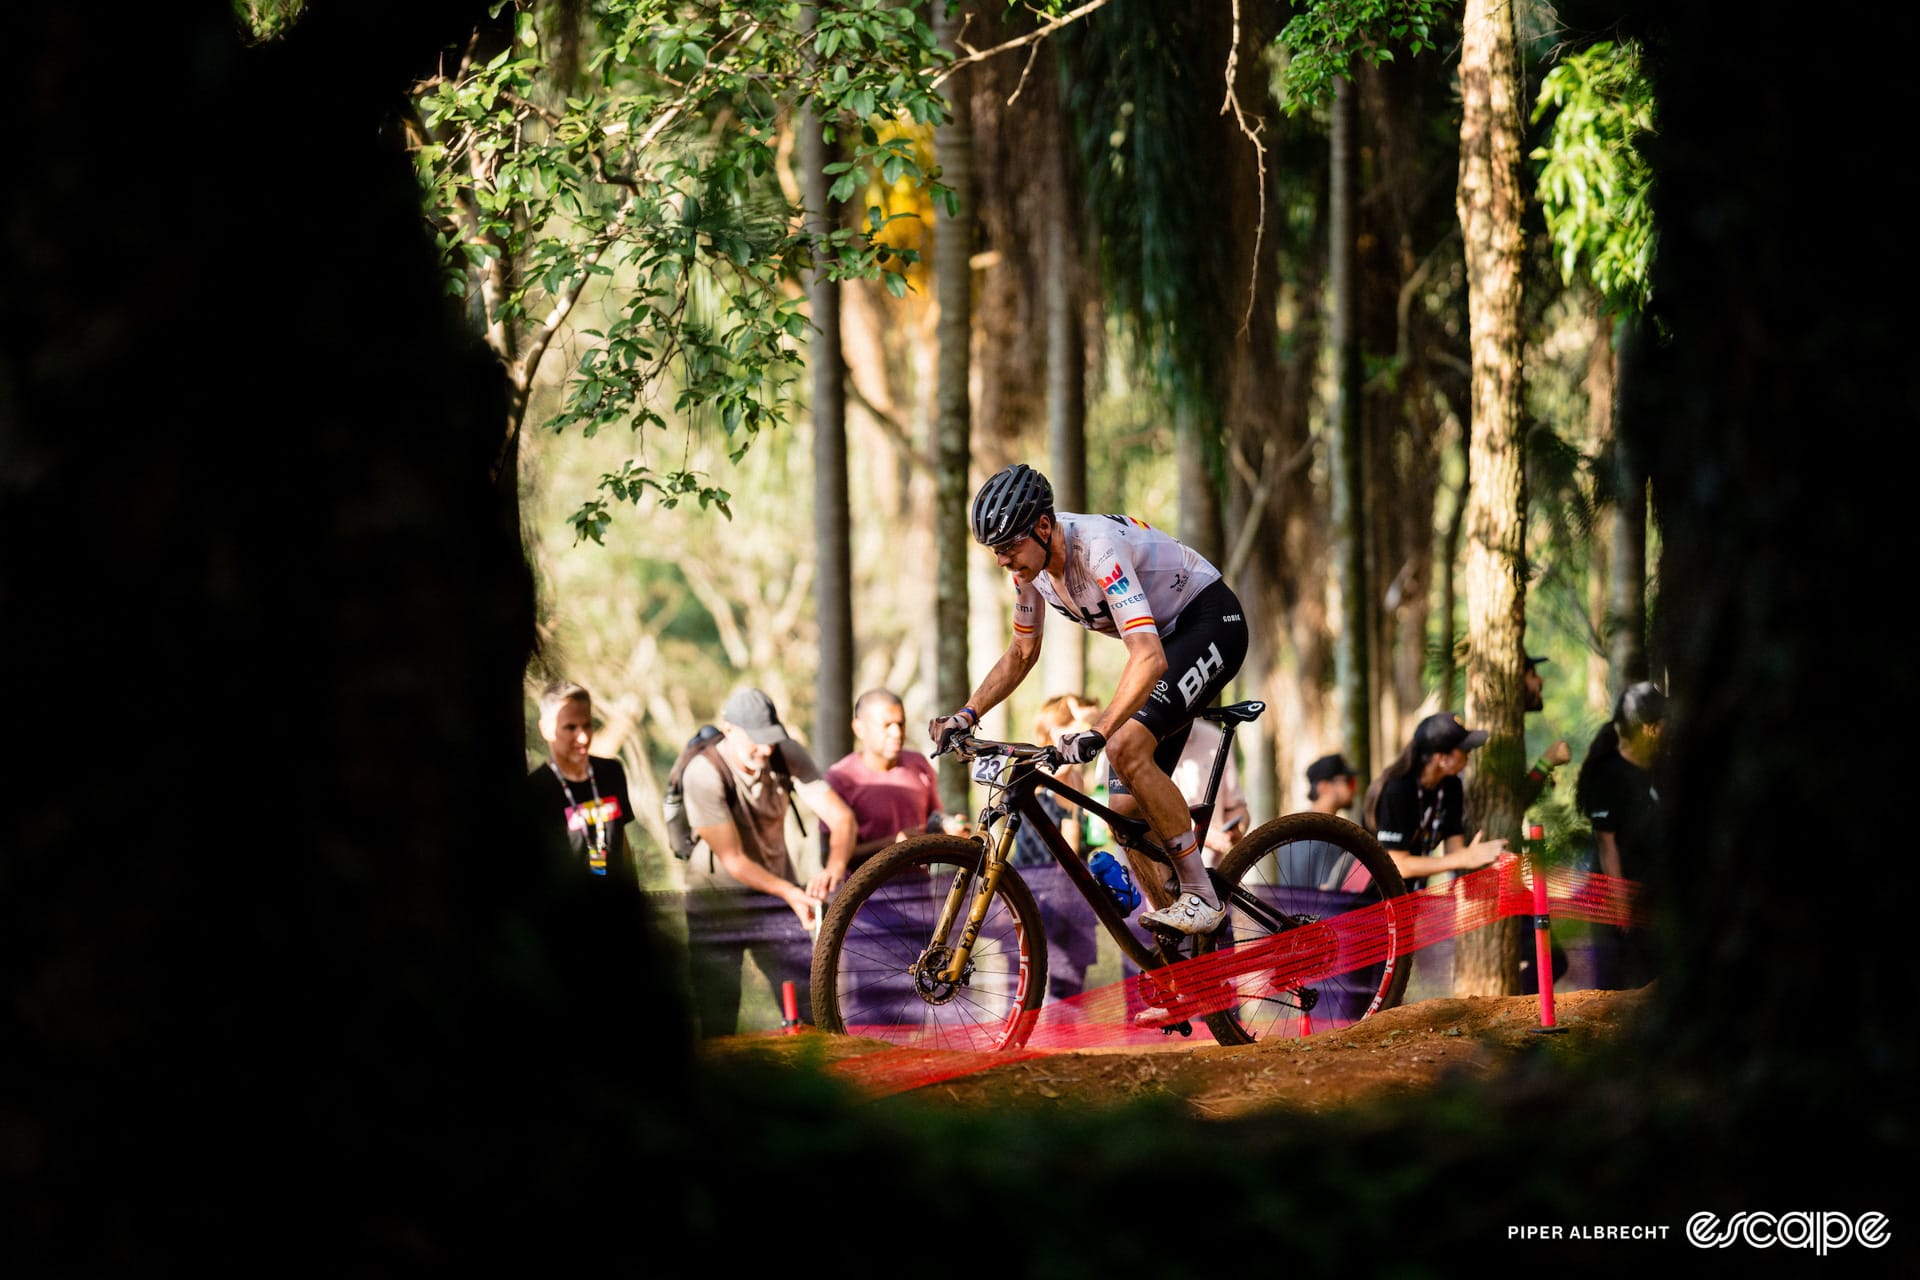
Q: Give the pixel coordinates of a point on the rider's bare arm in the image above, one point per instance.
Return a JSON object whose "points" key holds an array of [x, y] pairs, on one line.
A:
{"points": [[1022, 652], [1146, 664]]}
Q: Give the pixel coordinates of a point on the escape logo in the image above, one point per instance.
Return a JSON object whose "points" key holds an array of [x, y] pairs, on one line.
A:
{"points": [[1820, 1231]]}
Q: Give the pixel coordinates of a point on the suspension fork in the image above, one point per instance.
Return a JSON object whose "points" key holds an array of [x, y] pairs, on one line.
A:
{"points": [[989, 881]]}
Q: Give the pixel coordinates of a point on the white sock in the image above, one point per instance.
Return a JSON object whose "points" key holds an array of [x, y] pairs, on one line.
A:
{"points": [[1191, 868]]}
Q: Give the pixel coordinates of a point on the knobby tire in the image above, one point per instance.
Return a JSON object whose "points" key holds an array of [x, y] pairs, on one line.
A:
{"points": [[1298, 869], [880, 923]]}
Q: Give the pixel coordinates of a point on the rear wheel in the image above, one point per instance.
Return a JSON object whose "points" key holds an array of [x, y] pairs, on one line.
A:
{"points": [[876, 970], [1294, 873]]}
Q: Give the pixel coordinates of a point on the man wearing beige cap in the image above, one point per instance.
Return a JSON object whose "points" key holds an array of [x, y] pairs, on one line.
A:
{"points": [[740, 824]]}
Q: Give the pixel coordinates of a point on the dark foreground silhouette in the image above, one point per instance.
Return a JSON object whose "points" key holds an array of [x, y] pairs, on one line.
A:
{"points": [[286, 980]]}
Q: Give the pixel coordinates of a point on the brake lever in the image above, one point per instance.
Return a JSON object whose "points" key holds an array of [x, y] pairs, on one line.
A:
{"points": [[952, 743]]}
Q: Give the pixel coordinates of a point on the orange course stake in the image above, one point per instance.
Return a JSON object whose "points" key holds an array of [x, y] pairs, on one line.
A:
{"points": [[1542, 929], [789, 1008]]}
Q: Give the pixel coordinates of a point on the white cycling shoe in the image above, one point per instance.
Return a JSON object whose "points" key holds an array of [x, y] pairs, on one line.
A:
{"points": [[1188, 913]]}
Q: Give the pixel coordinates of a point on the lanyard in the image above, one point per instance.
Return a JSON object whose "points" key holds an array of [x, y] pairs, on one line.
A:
{"points": [[596, 826]]}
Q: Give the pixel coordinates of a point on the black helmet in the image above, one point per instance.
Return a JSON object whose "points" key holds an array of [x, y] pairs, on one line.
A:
{"points": [[1009, 504]]}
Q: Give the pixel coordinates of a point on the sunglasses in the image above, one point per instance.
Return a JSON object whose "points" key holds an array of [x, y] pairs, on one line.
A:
{"points": [[1007, 548]]}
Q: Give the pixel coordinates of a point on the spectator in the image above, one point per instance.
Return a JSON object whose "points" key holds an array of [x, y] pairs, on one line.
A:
{"points": [[1540, 776], [1331, 784], [893, 792], [749, 851], [1190, 774], [587, 793], [1331, 787], [1416, 807], [1060, 715], [1616, 791]]}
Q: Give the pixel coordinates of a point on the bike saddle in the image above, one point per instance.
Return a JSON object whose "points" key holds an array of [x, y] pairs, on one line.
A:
{"points": [[1238, 713]]}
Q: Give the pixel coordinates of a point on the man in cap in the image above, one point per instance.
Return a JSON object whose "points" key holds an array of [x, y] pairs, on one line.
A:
{"points": [[1331, 784], [740, 822]]}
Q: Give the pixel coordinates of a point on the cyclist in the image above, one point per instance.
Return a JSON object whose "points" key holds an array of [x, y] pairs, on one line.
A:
{"points": [[1185, 637]]}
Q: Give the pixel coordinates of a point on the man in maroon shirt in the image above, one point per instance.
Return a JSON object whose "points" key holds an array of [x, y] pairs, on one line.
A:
{"points": [[892, 792]]}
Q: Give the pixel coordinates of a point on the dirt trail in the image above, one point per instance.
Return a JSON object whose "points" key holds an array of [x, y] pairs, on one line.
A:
{"points": [[1397, 1053]]}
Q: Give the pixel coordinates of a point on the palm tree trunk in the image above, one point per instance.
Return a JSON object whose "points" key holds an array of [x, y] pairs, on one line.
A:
{"points": [[1066, 649], [833, 575], [1627, 625], [1352, 665], [953, 286]]}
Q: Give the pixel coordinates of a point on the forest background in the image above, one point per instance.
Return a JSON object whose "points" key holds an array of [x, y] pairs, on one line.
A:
{"points": [[1152, 309], [326, 976]]}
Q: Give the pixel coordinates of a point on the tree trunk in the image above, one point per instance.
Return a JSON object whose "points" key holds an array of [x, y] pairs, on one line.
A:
{"points": [[1449, 573], [1200, 525], [1601, 410], [1352, 665], [833, 575], [1627, 621], [1490, 208], [953, 286], [1599, 607]]}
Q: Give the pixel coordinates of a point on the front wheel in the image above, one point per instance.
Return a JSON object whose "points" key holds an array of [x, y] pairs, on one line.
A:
{"points": [[1292, 873], [878, 970]]}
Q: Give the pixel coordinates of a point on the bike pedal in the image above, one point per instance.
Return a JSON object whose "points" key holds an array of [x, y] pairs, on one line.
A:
{"points": [[1184, 1028]]}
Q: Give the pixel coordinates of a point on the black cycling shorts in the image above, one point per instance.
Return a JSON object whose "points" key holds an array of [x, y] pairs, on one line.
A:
{"points": [[1204, 653]]}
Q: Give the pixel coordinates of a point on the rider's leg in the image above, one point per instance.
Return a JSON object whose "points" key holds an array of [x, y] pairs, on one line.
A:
{"points": [[1130, 752]]}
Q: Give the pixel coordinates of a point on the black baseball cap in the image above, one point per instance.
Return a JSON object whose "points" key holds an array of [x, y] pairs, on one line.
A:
{"points": [[1328, 767], [1442, 731], [752, 712]]}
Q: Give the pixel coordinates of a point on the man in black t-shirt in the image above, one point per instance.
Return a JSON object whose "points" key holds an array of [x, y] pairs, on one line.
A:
{"points": [[1616, 792], [1621, 802], [587, 794]]}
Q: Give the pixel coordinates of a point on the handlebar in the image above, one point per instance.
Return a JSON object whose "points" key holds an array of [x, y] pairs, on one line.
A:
{"points": [[968, 747]]}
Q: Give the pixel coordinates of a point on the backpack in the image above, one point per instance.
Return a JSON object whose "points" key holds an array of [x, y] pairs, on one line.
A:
{"points": [[706, 741]]}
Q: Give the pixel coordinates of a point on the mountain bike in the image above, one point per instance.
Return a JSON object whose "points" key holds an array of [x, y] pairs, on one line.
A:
{"points": [[937, 942]]}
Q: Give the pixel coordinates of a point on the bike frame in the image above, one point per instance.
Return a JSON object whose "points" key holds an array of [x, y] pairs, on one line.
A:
{"points": [[1024, 806]]}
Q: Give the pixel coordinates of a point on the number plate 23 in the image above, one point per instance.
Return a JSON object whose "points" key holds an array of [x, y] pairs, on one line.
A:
{"points": [[987, 768]]}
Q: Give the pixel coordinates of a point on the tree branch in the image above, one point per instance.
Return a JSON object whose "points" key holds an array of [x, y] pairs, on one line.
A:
{"points": [[520, 372], [1262, 485], [739, 655], [1038, 33], [901, 437], [1260, 158]]}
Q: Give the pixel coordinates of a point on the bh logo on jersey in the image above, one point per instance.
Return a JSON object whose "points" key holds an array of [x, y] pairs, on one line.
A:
{"points": [[1195, 677], [1116, 582]]}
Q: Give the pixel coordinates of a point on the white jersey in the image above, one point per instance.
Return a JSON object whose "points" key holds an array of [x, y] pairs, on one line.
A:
{"points": [[1122, 576]]}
